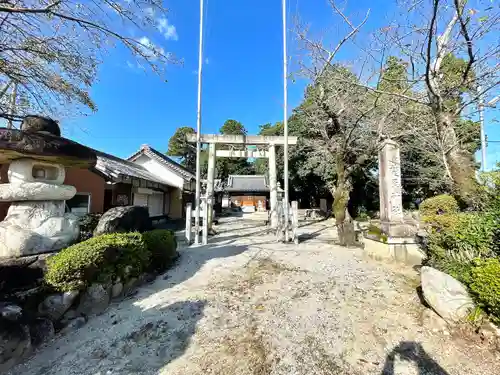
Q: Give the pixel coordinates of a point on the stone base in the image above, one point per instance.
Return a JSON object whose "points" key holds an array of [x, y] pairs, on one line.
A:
{"points": [[36, 227], [398, 229], [397, 249]]}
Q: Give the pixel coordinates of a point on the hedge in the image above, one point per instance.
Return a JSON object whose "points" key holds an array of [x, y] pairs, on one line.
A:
{"points": [[485, 285], [440, 204], [461, 236], [163, 247], [99, 259]]}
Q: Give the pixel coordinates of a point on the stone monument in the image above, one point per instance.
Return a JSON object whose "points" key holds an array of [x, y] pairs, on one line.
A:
{"points": [[391, 202], [36, 221]]}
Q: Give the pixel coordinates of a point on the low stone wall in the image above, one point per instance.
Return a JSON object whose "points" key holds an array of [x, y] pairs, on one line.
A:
{"points": [[32, 314]]}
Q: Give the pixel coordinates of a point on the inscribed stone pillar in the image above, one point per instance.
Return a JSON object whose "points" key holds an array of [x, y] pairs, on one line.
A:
{"points": [[391, 204], [189, 216], [273, 186], [210, 183]]}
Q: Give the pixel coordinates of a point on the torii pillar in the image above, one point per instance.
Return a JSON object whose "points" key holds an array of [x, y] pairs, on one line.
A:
{"points": [[210, 183], [273, 185]]}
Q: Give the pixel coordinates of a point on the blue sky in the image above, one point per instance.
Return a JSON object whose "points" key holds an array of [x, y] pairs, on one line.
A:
{"points": [[242, 74]]}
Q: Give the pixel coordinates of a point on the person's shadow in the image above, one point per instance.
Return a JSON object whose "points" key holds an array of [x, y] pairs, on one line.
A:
{"points": [[412, 352]]}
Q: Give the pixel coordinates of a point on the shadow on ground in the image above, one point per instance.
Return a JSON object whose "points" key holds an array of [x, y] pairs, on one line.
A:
{"points": [[140, 334], [193, 258], [411, 351]]}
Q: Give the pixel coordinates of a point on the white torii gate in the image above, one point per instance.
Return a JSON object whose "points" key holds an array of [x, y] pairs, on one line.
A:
{"points": [[268, 151], [285, 140]]}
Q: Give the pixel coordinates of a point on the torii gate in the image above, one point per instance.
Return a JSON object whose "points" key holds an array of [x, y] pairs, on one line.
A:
{"points": [[266, 148]]}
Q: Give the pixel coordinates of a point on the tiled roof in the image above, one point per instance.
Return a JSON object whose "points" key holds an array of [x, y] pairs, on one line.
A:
{"points": [[163, 159], [250, 183], [115, 168]]}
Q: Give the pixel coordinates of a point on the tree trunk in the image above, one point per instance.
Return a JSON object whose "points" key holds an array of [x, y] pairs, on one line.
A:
{"points": [[345, 227], [458, 162]]}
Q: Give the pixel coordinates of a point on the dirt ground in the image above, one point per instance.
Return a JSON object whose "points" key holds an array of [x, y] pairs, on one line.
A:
{"points": [[247, 305]]}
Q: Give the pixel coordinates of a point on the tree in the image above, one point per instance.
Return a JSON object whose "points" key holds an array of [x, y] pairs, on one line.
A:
{"points": [[228, 166], [50, 49], [261, 166], [180, 147], [453, 63], [338, 135], [233, 127]]}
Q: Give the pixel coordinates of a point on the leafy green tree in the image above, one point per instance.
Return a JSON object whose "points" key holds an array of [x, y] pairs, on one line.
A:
{"points": [[261, 166], [179, 146], [228, 166]]}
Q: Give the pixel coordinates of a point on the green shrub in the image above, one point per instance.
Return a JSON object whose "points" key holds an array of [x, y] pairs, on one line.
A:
{"points": [[462, 236], [163, 247], [87, 225], [440, 204], [485, 285], [99, 259]]}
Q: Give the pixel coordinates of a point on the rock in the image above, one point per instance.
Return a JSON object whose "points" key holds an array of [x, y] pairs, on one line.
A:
{"points": [[446, 295], [117, 290], [10, 311], [41, 330], [41, 190], [15, 343], [55, 305], [34, 227], [40, 124], [94, 301], [73, 325], [124, 219]]}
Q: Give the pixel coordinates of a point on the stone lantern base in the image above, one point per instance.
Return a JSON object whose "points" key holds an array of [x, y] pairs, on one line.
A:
{"points": [[36, 227]]}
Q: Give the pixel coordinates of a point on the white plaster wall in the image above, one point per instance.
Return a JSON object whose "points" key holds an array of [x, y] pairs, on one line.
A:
{"points": [[171, 178]]}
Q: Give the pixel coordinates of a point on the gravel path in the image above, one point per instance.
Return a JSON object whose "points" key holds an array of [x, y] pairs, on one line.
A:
{"points": [[246, 305]]}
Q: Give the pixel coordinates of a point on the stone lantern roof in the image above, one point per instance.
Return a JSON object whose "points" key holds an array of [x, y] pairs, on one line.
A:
{"points": [[39, 138]]}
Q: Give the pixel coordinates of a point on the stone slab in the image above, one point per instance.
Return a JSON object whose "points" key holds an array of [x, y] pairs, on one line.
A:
{"points": [[35, 191], [16, 144]]}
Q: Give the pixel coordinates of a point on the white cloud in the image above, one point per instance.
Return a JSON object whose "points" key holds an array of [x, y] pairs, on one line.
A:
{"points": [[168, 30], [150, 49], [150, 12]]}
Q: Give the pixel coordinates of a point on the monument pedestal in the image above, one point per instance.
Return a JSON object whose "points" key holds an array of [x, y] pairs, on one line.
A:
{"points": [[397, 240]]}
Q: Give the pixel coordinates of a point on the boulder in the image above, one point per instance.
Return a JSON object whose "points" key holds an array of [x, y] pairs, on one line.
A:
{"points": [[55, 305], [124, 219], [15, 343], [446, 295], [95, 300], [10, 311], [117, 289], [41, 330]]}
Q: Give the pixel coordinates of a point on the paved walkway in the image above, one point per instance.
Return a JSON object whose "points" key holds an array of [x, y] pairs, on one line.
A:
{"points": [[247, 305]]}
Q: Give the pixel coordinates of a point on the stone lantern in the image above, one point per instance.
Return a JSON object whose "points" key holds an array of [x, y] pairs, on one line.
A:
{"points": [[36, 221]]}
